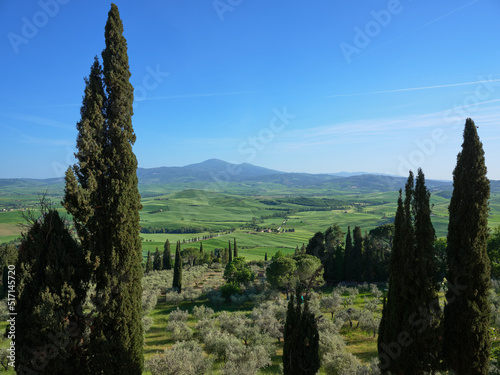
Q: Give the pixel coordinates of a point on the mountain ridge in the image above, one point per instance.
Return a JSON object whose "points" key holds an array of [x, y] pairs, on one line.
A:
{"points": [[221, 173]]}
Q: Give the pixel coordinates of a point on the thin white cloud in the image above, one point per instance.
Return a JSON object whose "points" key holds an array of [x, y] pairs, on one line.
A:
{"points": [[368, 130], [37, 120], [414, 88], [203, 95]]}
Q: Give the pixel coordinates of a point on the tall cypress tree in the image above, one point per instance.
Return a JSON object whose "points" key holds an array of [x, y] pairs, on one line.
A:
{"points": [[300, 338], [167, 256], [103, 197], [357, 251], [51, 280], [235, 249], [466, 345], [422, 315], [157, 261], [348, 257], [177, 281], [230, 259], [149, 264], [391, 323]]}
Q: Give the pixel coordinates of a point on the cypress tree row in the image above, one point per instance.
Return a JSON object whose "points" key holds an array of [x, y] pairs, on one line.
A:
{"points": [[177, 281], [51, 281], [102, 195], [409, 332], [466, 345], [167, 256]]}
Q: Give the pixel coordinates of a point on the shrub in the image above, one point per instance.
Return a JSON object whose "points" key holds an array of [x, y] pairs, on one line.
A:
{"points": [[180, 330], [228, 289], [182, 359], [201, 312]]}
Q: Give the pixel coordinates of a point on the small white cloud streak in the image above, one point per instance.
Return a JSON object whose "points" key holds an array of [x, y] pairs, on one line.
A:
{"points": [[188, 96], [37, 120], [365, 131], [413, 88]]}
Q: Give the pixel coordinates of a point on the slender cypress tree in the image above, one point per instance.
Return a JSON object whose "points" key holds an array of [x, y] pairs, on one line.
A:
{"points": [[301, 338], [466, 345], [167, 257], [391, 323], [51, 282], [235, 249], [230, 252], [177, 281], [265, 257], [157, 262], [357, 251], [103, 196], [149, 264], [348, 257], [422, 314], [201, 247]]}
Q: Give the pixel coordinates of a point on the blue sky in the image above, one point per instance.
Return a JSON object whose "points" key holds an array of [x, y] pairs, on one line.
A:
{"points": [[319, 87]]}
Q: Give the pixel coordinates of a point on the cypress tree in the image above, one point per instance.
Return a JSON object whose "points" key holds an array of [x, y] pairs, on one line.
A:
{"points": [[149, 264], [230, 252], [177, 281], [51, 281], [157, 262], [391, 323], [422, 315], [265, 257], [301, 338], [466, 345], [235, 249], [167, 257], [339, 263], [348, 257], [103, 197], [201, 247], [357, 254]]}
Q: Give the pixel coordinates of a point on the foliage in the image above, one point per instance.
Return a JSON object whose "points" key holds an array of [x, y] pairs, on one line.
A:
{"points": [[493, 249], [301, 338], [177, 280], [51, 277], [467, 313], [184, 358], [238, 272], [103, 197], [167, 256]]}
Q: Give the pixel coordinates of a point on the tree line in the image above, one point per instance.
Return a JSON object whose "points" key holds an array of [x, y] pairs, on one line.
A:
{"points": [[353, 258]]}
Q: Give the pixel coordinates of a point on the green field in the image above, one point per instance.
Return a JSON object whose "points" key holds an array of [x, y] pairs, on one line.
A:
{"points": [[225, 216]]}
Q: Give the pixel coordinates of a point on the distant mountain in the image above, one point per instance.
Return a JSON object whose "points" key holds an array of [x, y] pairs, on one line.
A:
{"points": [[243, 177], [207, 171]]}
